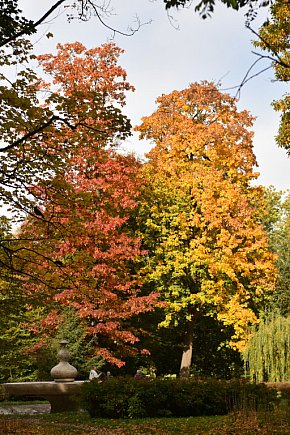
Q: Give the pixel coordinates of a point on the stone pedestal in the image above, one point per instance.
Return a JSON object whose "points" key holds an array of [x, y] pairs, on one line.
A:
{"points": [[62, 396], [62, 393]]}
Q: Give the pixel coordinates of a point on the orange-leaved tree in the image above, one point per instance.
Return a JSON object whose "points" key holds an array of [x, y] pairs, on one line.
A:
{"points": [[83, 252], [201, 223]]}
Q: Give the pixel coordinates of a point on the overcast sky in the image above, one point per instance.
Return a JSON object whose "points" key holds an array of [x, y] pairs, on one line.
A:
{"points": [[159, 58]]}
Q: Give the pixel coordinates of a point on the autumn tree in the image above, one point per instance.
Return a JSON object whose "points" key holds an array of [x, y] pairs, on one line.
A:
{"points": [[79, 251], [25, 121], [207, 250], [37, 123]]}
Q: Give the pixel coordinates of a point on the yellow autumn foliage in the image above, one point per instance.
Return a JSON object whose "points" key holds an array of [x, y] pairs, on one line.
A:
{"points": [[207, 247]]}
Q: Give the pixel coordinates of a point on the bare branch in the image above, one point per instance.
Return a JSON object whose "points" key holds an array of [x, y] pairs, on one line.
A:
{"points": [[119, 32], [245, 80], [247, 77]]}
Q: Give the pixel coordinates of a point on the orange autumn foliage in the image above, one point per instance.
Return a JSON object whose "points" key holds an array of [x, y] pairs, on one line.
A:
{"points": [[83, 250]]}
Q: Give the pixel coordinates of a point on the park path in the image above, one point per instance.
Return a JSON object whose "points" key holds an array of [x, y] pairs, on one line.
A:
{"points": [[25, 409]]}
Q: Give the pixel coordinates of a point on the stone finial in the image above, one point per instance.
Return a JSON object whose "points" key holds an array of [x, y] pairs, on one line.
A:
{"points": [[63, 371]]}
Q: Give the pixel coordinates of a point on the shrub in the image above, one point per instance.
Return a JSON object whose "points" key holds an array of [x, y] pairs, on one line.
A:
{"points": [[131, 398], [250, 396]]}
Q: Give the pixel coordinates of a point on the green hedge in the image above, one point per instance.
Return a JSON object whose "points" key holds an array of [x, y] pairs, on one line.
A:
{"points": [[131, 398]]}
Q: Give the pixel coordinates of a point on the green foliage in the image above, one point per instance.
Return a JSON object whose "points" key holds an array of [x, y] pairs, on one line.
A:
{"points": [[130, 398], [11, 21], [273, 213], [80, 346], [15, 363], [274, 39], [282, 248], [20, 359], [277, 226], [212, 356], [267, 354]]}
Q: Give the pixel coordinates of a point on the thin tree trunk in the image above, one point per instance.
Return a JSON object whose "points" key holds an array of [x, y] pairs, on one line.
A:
{"points": [[187, 350]]}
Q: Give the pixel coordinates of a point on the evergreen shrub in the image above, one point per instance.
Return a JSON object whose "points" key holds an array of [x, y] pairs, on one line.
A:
{"points": [[132, 398]]}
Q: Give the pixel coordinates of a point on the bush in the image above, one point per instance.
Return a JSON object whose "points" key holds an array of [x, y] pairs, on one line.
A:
{"points": [[131, 398]]}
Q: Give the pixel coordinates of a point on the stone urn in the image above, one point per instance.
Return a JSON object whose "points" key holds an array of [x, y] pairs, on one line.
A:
{"points": [[63, 371]]}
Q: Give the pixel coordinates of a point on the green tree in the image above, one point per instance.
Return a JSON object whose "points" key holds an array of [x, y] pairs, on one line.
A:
{"points": [[282, 294], [15, 311], [81, 347], [267, 354], [277, 226], [14, 364]]}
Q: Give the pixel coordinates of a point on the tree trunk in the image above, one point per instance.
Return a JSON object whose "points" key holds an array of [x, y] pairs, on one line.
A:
{"points": [[187, 350]]}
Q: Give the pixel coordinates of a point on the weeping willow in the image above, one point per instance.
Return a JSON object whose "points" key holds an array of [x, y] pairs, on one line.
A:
{"points": [[267, 356]]}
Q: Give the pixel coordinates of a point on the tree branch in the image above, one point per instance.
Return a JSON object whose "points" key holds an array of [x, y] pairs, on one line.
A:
{"points": [[32, 27], [246, 77], [27, 30], [42, 127], [12, 254], [278, 59], [132, 32], [29, 135]]}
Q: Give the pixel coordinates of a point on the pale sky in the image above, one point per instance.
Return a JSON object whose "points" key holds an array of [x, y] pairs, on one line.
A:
{"points": [[159, 59]]}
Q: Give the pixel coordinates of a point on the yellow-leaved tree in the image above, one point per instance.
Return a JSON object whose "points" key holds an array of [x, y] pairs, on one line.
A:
{"points": [[201, 217]]}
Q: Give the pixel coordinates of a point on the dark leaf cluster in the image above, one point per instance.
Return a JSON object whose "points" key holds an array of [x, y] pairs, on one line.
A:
{"points": [[206, 7], [12, 22]]}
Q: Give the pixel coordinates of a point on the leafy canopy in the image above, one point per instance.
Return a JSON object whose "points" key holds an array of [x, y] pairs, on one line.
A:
{"points": [[207, 250], [274, 39], [78, 249]]}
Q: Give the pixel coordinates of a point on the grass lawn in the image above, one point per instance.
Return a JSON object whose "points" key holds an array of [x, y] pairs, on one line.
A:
{"points": [[80, 423]]}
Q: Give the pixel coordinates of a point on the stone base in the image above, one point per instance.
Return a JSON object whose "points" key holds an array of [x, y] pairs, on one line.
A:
{"points": [[62, 396]]}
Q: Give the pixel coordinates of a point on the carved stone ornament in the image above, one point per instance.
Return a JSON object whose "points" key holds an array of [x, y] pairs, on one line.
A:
{"points": [[63, 371]]}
